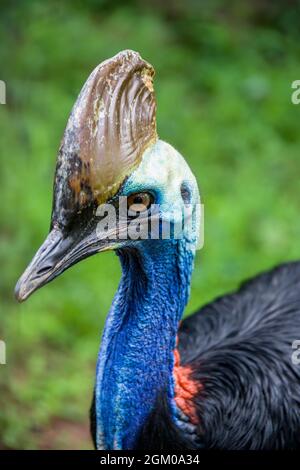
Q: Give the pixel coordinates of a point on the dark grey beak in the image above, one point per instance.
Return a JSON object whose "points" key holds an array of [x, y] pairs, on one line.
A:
{"points": [[58, 252], [42, 266]]}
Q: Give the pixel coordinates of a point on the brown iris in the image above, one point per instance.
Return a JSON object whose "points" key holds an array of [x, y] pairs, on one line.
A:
{"points": [[139, 202]]}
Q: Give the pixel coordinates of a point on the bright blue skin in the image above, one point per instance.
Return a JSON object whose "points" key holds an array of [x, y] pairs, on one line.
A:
{"points": [[136, 357]]}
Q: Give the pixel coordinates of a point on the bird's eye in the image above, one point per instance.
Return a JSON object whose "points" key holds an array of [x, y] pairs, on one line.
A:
{"points": [[139, 202]]}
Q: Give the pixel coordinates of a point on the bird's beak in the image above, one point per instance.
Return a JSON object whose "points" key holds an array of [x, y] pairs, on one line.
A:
{"points": [[58, 252], [111, 125]]}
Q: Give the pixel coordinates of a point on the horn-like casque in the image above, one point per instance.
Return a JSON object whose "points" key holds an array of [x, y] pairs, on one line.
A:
{"points": [[112, 123]]}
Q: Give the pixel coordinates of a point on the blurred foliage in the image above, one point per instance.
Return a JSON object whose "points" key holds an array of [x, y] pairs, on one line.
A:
{"points": [[223, 80]]}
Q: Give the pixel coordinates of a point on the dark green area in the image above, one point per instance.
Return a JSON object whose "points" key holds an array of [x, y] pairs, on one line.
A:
{"points": [[223, 82]]}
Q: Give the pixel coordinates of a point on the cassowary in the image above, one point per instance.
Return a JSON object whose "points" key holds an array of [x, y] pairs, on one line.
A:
{"points": [[223, 378]]}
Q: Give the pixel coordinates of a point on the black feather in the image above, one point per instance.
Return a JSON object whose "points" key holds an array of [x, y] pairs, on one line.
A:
{"points": [[93, 422], [160, 432], [239, 348]]}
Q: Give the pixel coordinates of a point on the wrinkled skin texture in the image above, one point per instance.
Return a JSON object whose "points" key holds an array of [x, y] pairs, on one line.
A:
{"points": [[136, 356]]}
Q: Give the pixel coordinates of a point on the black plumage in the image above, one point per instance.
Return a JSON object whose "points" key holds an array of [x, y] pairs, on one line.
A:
{"points": [[240, 349]]}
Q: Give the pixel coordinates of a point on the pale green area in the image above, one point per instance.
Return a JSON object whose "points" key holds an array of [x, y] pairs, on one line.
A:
{"points": [[223, 82]]}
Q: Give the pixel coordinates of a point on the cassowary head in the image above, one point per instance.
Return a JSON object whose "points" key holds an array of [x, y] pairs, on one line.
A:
{"points": [[116, 184]]}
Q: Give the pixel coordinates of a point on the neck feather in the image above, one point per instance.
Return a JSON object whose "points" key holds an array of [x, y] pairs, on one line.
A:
{"points": [[136, 357]]}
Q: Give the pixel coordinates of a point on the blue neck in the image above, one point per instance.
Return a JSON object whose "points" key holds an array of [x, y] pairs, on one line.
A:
{"points": [[136, 356]]}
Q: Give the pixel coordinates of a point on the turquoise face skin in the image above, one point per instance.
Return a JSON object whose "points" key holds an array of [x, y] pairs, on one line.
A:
{"points": [[162, 172], [136, 357]]}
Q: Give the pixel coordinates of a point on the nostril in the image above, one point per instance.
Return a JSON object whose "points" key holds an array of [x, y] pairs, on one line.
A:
{"points": [[44, 269]]}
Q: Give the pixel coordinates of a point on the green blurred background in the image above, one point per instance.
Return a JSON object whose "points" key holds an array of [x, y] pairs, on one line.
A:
{"points": [[223, 81]]}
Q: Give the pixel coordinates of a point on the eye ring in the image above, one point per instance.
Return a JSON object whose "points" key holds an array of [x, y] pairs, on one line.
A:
{"points": [[139, 202]]}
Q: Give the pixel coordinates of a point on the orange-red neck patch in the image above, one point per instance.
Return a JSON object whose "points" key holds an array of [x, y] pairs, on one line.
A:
{"points": [[185, 389]]}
